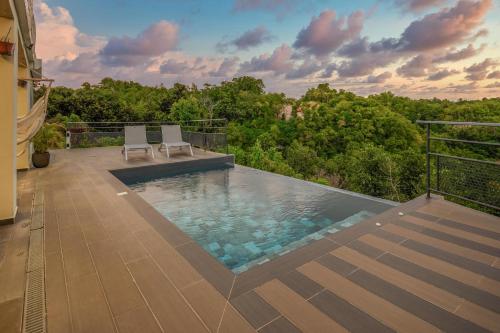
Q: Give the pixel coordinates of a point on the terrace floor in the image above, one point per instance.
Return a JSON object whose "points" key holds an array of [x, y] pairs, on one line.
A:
{"points": [[113, 264]]}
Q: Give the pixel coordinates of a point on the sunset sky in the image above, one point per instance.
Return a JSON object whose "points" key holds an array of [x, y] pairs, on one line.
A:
{"points": [[417, 48]]}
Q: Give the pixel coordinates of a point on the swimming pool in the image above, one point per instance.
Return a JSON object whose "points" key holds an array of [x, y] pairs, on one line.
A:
{"points": [[244, 217]]}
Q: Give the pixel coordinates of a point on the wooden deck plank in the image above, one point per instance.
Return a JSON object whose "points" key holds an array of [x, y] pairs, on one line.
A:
{"points": [[119, 287], [461, 214], [89, 309], [207, 302], [138, 320], [347, 314], [452, 231], [440, 244], [165, 301], [424, 290], [233, 322], [436, 265], [280, 325], [296, 309], [384, 311], [257, 311], [175, 266], [59, 320]]}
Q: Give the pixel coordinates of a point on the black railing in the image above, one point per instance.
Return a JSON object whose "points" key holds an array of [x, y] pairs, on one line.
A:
{"points": [[208, 134], [464, 178]]}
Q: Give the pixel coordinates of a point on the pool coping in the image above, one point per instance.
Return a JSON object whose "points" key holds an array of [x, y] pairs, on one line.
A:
{"points": [[228, 283]]}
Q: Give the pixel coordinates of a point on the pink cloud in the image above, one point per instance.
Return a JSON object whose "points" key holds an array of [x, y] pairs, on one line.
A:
{"points": [[416, 67], [494, 75], [279, 62], [479, 71], [418, 5], [326, 33], [57, 36], [446, 27], [248, 39], [441, 74], [154, 41], [381, 78], [462, 54]]}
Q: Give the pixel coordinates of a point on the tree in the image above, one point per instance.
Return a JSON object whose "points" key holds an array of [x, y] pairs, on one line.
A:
{"points": [[186, 109]]}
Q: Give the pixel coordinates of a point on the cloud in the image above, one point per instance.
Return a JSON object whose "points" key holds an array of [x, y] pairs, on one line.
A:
{"points": [[447, 27], [226, 68], [173, 66], [418, 5], [462, 54], [83, 63], [463, 88], [354, 48], [307, 68], [278, 62], [328, 71], [381, 78], [57, 35], [441, 74], [365, 64], [494, 75], [422, 38], [418, 66], [326, 33], [248, 39], [493, 85], [154, 41], [480, 70]]}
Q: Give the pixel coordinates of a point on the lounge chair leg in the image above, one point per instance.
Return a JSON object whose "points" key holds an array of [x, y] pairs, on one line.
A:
{"points": [[191, 150], [152, 152], [168, 155], [126, 155]]}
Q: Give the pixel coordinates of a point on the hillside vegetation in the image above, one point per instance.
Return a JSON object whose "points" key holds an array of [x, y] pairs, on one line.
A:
{"points": [[365, 144]]}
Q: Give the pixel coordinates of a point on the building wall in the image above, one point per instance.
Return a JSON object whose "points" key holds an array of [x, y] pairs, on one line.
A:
{"points": [[8, 125]]}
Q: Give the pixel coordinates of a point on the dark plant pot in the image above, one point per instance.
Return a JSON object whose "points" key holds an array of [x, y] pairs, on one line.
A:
{"points": [[6, 48], [40, 160]]}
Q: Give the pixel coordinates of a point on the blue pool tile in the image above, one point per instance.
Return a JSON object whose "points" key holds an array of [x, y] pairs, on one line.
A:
{"points": [[258, 234], [214, 246], [250, 246]]}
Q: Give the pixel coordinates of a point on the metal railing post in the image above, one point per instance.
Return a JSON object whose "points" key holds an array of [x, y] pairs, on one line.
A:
{"points": [[428, 156], [225, 136], [467, 185], [438, 167]]}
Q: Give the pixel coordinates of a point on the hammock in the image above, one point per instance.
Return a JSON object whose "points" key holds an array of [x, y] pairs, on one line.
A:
{"points": [[28, 125]]}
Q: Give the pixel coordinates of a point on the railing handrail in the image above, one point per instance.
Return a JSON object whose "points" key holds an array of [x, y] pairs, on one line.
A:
{"points": [[457, 123], [207, 127], [147, 122], [430, 153]]}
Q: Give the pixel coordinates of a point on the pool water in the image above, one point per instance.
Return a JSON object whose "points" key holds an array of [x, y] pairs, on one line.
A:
{"points": [[245, 217]]}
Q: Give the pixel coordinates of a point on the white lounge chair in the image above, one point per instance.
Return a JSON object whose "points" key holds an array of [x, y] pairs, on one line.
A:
{"points": [[172, 137], [135, 139]]}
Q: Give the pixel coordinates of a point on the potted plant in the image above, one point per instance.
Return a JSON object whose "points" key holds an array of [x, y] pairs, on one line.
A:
{"points": [[6, 47], [49, 136]]}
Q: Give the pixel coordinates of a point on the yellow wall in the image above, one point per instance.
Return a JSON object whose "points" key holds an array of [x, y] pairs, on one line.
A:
{"points": [[23, 106], [8, 125]]}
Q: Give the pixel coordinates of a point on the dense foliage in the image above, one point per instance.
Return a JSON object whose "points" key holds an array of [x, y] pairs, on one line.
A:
{"points": [[365, 144]]}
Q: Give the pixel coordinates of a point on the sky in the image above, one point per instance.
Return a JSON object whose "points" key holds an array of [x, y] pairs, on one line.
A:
{"points": [[416, 48]]}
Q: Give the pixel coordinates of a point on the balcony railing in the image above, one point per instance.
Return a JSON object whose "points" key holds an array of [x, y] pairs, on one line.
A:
{"points": [[469, 179], [208, 134]]}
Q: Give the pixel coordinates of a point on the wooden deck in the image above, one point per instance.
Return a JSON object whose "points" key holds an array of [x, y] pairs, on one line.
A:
{"points": [[113, 264]]}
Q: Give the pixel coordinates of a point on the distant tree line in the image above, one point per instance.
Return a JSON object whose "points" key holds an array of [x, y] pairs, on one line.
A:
{"points": [[364, 144]]}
